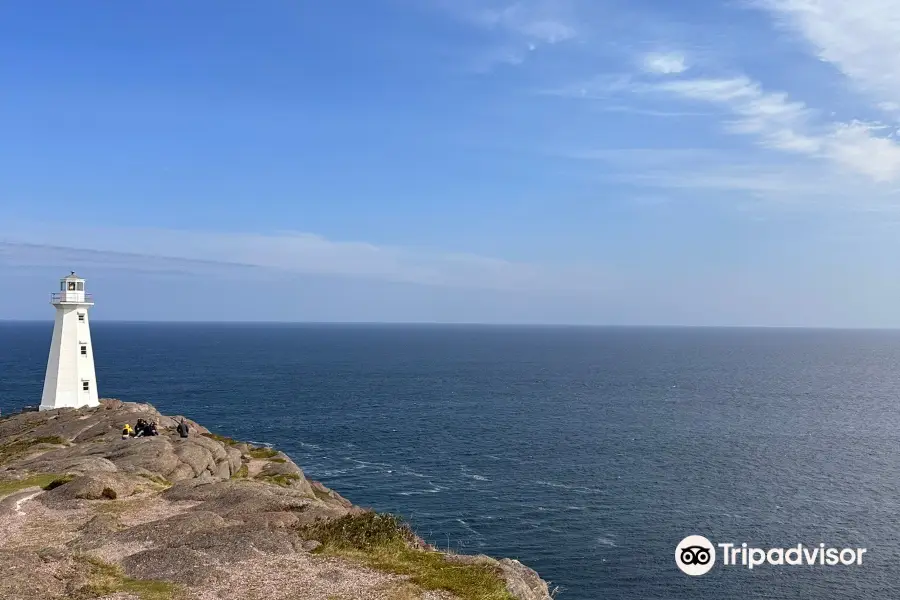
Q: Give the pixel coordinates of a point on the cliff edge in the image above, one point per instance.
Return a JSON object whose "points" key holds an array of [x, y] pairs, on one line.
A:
{"points": [[86, 515]]}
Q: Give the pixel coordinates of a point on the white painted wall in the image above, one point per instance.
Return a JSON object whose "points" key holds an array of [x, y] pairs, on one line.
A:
{"points": [[67, 368]]}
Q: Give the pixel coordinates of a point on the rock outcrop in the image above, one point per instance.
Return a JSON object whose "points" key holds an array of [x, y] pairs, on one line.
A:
{"points": [[85, 514]]}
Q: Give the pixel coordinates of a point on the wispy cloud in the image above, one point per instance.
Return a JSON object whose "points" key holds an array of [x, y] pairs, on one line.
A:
{"points": [[537, 21], [298, 253], [657, 79], [665, 63], [790, 126], [861, 39], [515, 29], [772, 118]]}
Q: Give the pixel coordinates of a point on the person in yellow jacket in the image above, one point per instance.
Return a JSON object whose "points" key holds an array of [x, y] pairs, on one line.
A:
{"points": [[127, 431]]}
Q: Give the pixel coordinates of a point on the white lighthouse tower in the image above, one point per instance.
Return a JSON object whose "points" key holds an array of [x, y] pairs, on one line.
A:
{"points": [[70, 381]]}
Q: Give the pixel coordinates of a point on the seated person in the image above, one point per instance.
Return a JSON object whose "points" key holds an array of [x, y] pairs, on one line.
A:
{"points": [[127, 431]]}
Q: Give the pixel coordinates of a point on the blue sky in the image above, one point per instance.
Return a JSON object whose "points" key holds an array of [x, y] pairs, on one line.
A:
{"points": [[541, 161]]}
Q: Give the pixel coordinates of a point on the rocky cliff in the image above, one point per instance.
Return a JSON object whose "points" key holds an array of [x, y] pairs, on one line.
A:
{"points": [[85, 514]]}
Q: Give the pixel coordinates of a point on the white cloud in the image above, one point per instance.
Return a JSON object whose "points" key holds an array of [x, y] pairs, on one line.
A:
{"points": [[516, 28], [298, 253], [748, 178], [789, 126], [528, 21], [860, 38], [670, 63], [776, 121]]}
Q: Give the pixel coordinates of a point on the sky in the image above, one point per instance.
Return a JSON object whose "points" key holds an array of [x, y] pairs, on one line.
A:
{"points": [[608, 162]]}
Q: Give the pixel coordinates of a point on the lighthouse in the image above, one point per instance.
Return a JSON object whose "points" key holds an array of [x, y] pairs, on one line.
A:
{"points": [[70, 381]]}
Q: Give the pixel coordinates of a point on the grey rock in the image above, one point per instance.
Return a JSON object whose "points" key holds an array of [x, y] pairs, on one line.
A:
{"points": [[96, 486], [171, 532], [272, 520], [329, 496], [522, 582], [101, 525], [239, 542], [181, 565]]}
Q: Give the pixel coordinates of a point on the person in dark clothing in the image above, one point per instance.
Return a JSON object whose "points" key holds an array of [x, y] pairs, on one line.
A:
{"points": [[183, 429], [140, 429], [151, 428]]}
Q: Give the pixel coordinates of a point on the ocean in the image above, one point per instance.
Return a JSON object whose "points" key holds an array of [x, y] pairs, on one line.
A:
{"points": [[586, 453]]}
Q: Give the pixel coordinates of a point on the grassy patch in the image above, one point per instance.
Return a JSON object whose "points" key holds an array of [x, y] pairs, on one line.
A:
{"points": [[11, 486], [321, 495], [383, 542], [241, 473], [221, 438], [50, 439], [262, 452], [19, 448], [278, 460], [157, 479], [403, 591], [59, 481], [105, 579], [284, 480]]}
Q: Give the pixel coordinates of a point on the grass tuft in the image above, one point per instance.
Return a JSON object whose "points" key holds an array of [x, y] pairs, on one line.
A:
{"points": [[58, 482], [284, 480], [385, 543], [277, 460], [241, 473], [221, 438], [262, 452], [321, 495], [14, 450], [157, 479], [10, 486], [105, 579]]}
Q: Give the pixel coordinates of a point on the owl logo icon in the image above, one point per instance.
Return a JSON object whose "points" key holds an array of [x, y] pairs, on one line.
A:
{"points": [[695, 555]]}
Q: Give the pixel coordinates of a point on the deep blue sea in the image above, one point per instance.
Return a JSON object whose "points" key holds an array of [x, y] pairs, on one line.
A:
{"points": [[587, 453]]}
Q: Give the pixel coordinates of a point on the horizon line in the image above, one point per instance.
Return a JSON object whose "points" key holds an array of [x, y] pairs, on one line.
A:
{"points": [[468, 324]]}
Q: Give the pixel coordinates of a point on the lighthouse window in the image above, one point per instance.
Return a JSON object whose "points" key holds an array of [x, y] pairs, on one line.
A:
{"points": [[79, 286], [81, 317], [86, 385], [71, 286], [84, 350], [62, 286]]}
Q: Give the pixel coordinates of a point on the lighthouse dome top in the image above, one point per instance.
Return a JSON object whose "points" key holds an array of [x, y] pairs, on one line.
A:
{"points": [[71, 291]]}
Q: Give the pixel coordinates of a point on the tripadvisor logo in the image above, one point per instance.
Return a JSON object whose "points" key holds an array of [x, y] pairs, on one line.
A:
{"points": [[696, 555]]}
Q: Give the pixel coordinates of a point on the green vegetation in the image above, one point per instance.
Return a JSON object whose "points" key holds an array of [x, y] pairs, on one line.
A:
{"points": [[278, 460], [262, 452], [385, 543], [10, 486], [157, 479], [241, 473], [284, 480], [14, 450], [105, 579], [321, 495], [221, 438], [59, 481]]}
